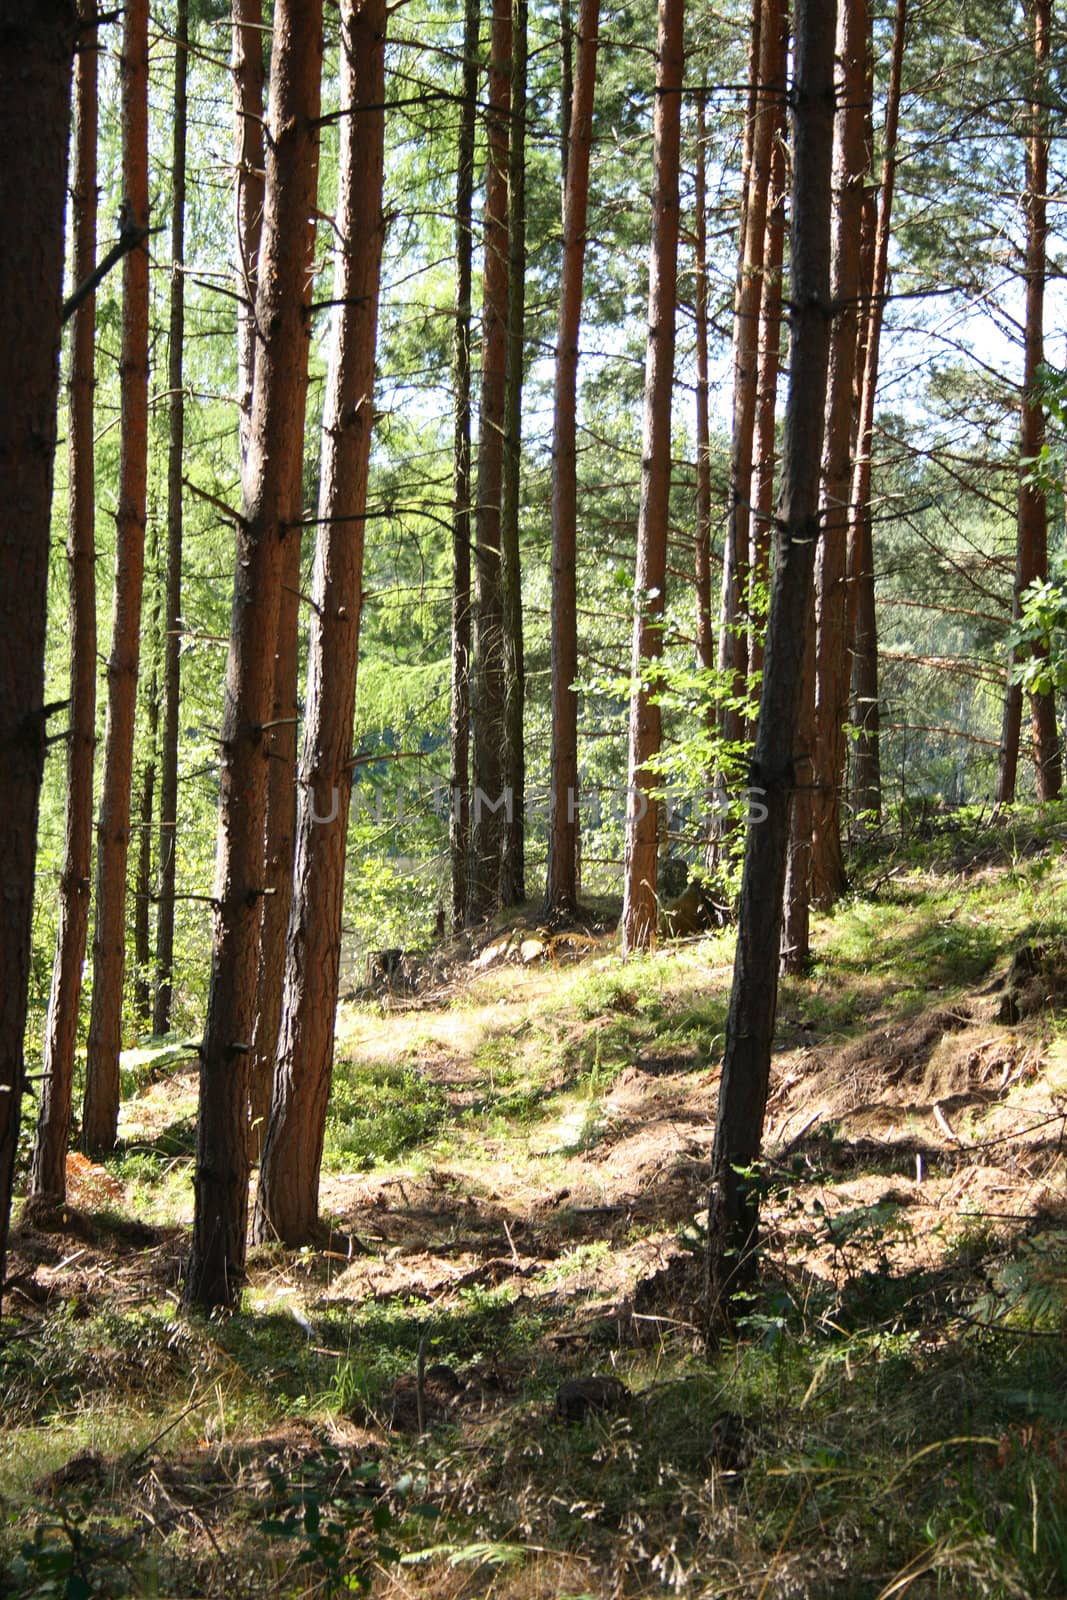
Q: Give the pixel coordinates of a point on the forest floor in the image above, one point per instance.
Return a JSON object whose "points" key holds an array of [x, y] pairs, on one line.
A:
{"points": [[515, 1173]]}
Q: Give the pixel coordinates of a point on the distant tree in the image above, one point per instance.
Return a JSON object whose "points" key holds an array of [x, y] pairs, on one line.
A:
{"points": [[640, 903], [460, 714], [288, 1192], [270, 522], [768, 355], [489, 681], [48, 1172], [866, 714], [513, 845], [561, 892], [762, 124], [172, 610], [101, 1112], [832, 662], [733, 1210], [1031, 562]]}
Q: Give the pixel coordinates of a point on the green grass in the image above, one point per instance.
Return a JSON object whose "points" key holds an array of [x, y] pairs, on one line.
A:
{"points": [[902, 1419]]}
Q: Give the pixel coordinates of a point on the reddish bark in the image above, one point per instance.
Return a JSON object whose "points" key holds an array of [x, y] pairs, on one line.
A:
{"points": [[561, 893], [287, 1197], [246, 64], [1032, 549], [48, 1173], [640, 904], [168, 781], [101, 1113], [489, 679], [269, 524], [866, 765], [459, 727], [832, 664]]}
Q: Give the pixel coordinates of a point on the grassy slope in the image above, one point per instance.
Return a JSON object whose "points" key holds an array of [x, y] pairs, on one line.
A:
{"points": [[513, 1182]]}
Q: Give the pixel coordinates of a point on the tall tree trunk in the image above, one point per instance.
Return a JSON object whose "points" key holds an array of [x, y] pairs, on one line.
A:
{"points": [[733, 641], [246, 63], [513, 864], [279, 839], [459, 727], [640, 903], [705, 630], [36, 52], [142, 887], [866, 716], [561, 891], [280, 825], [168, 761], [48, 1172], [768, 354], [288, 1193], [1032, 556], [489, 686], [269, 524], [832, 665], [566, 93], [733, 1213], [101, 1113]]}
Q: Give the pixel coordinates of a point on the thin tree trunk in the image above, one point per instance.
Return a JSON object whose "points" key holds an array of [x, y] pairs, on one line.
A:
{"points": [[101, 1113], [733, 1213], [287, 1197], [832, 665], [639, 910], [866, 715], [488, 687], [768, 357], [459, 728], [168, 782], [246, 63], [561, 892], [705, 629], [142, 893], [1032, 561], [566, 93], [733, 643], [269, 524], [48, 1172], [513, 866]]}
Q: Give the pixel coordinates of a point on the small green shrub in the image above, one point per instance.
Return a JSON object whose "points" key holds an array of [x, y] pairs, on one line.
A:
{"points": [[378, 1111]]}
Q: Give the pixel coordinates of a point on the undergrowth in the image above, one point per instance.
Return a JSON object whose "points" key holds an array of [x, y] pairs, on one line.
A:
{"points": [[889, 1420]]}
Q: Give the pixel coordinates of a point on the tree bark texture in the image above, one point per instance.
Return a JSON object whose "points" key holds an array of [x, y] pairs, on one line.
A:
{"points": [[832, 664], [489, 681], [1032, 558], [48, 1172], [269, 524], [640, 904], [459, 727], [246, 64], [287, 1197], [733, 627], [866, 714], [705, 628], [768, 357], [168, 758], [513, 860], [101, 1113], [734, 1204], [561, 893]]}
